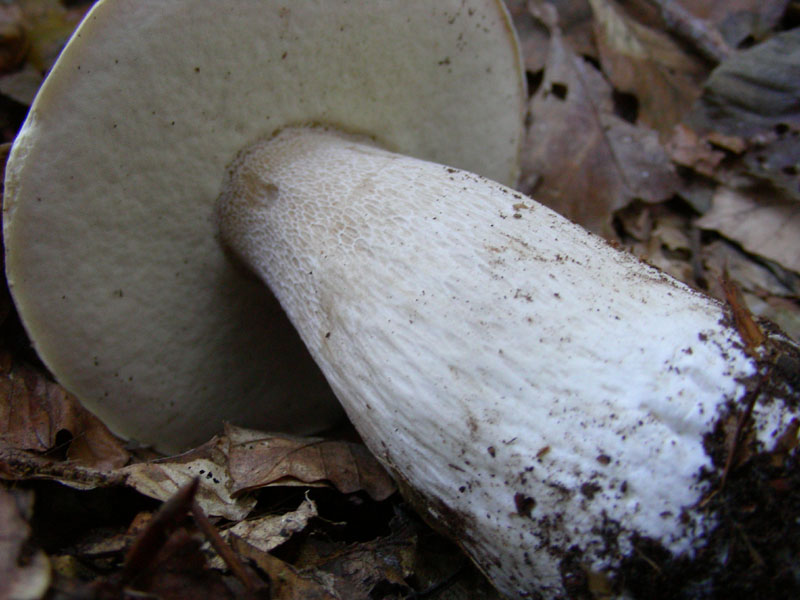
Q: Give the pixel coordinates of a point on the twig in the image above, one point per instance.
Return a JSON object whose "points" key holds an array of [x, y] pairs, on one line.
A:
{"points": [[155, 535], [223, 549]]}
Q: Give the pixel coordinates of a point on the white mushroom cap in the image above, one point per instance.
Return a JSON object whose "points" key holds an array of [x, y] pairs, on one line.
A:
{"points": [[112, 255]]}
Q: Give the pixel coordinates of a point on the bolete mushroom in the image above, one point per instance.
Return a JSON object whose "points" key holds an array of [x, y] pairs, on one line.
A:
{"points": [[550, 401], [113, 257]]}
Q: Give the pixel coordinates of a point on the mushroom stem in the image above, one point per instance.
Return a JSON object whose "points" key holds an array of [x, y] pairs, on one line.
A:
{"points": [[535, 387]]}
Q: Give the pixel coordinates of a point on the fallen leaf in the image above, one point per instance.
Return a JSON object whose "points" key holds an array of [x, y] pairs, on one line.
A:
{"points": [[574, 19], [581, 159], [764, 224], [257, 460], [268, 532], [286, 582], [161, 479], [32, 34], [24, 570], [738, 21], [689, 149], [648, 64], [17, 465], [697, 34], [533, 37], [34, 411], [768, 291], [775, 157], [363, 570], [229, 467], [748, 329], [754, 91]]}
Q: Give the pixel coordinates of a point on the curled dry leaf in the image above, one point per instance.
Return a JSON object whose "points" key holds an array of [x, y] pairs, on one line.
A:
{"points": [[257, 460], [580, 158], [24, 571], [228, 467], [267, 533], [769, 291], [34, 410]]}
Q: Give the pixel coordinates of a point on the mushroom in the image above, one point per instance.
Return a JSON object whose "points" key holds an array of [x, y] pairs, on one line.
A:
{"points": [[545, 398], [113, 258]]}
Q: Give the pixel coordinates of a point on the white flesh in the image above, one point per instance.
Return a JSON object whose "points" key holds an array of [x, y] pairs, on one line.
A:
{"points": [[499, 358]]}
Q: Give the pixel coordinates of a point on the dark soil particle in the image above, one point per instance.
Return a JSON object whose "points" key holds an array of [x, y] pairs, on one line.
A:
{"points": [[754, 496], [753, 553]]}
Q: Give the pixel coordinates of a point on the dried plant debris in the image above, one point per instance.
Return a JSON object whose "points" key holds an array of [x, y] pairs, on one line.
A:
{"points": [[257, 460], [754, 91], [33, 33], [649, 64], [580, 158], [40, 416], [764, 224]]}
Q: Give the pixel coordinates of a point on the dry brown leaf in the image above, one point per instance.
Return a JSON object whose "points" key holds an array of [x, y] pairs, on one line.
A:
{"points": [[22, 85], [533, 37], [738, 20], [764, 224], [228, 467], [574, 18], [689, 149], [579, 158], [767, 295], [361, 570], [161, 479], [751, 100], [648, 64], [17, 465], [286, 582], [257, 460], [34, 410], [267, 533], [24, 571], [754, 91], [668, 248], [775, 157]]}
